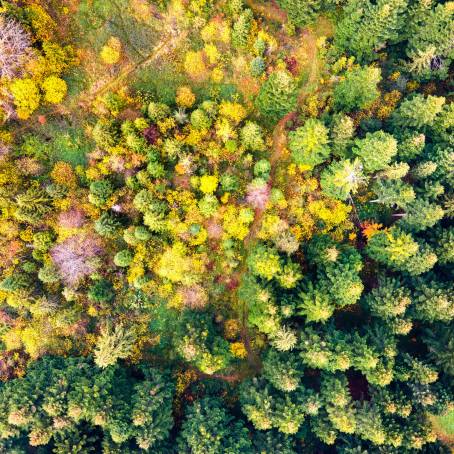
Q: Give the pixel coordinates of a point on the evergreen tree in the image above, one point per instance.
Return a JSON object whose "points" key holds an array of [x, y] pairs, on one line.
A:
{"points": [[316, 304], [432, 301], [242, 29], [393, 193], [430, 41], [113, 344], [440, 342], [418, 112], [277, 96], [389, 299], [209, 429], [392, 248], [367, 27], [300, 12], [282, 370], [341, 133], [358, 89], [376, 150], [420, 215], [342, 178]]}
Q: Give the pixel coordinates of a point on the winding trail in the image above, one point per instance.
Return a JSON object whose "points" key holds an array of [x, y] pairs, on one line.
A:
{"points": [[305, 46]]}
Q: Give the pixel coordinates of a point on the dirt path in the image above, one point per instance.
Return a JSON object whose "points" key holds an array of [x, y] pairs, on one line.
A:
{"points": [[270, 11]]}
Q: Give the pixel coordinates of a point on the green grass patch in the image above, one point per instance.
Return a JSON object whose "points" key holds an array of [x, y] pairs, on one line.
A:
{"points": [[445, 423]]}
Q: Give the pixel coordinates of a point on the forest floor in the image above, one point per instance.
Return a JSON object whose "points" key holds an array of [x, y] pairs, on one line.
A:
{"points": [[444, 427]]}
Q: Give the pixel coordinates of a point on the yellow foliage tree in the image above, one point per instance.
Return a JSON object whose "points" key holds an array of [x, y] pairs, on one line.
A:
{"points": [[26, 97], [54, 89], [111, 52]]}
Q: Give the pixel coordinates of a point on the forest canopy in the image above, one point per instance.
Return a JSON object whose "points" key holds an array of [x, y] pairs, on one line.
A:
{"points": [[226, 226]]}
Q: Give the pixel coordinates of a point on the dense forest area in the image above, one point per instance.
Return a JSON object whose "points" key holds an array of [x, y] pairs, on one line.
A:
{"points": [[226, 226]]}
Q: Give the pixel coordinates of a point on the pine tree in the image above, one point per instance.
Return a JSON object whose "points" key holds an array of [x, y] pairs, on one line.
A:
{"points": [[432, 301], [315, 351], [390, 299], [32, 205], [442, 241], [430, 41], [392, 248], [421, 262], [341, 132], [316, 304], [242, 29], [393, 193], [300, 12], [440, 343], [209, 429]]}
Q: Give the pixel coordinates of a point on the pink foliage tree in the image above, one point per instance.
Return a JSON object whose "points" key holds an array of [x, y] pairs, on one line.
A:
{"points": [[75, 257], [15, 44], [257, 194]]}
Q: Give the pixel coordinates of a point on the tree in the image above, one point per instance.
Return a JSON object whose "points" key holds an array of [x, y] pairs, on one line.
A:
{"points": [[113, 344], [264, 262], [209, 429], [282, 370], [420, 215], [242, 28], [300, 12], [75, 257], [100, 191], [393, 193], [429, 48], [432, 301], [442, 241], [392, 248], [341, 133], [316, 304], [440, 343], [108, 225], [342, 178], [15, 45], [309, 143], [366, 27], [32, 205], [376, 150], [418, 112], [358, 89], [267, 409], [252, 137], [389, 299], [277, 96]]}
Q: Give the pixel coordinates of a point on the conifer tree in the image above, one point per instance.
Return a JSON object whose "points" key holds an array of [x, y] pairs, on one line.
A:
{"points": [[418, 112], [358, 89], [342, 178], [277, 96], [367, 27]]}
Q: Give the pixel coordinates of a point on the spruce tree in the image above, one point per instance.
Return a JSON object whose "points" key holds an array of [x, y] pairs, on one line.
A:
{"points": [[277, 96]]}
